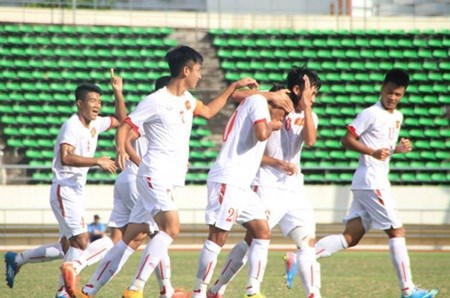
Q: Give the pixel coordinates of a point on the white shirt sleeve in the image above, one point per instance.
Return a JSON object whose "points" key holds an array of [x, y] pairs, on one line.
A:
{"points": [[259, 110], [362, 122], [145, 110]]}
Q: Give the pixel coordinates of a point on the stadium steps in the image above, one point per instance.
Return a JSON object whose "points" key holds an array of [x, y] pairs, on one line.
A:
{"points": [[429, 235]]}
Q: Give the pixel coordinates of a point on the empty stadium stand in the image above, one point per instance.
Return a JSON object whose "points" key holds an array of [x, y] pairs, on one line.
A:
{"points": [[352, 65], [40, 66]]}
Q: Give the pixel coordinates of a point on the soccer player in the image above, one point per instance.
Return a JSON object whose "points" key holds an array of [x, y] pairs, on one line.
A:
{"points": [[125, 196], [374, 134], [279, 184], [165, 118], [230, 198], [73, 155]]}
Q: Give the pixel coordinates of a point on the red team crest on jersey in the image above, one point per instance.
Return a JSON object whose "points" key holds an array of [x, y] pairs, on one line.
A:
{"points": [[298, 121], [187, 104], [93, 132]]}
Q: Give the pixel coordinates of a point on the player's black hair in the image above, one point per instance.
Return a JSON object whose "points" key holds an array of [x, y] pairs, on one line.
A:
{"points": [[276, 87], [84, 88], [162, 82], [295, 77], [398, 77], [180, 57]]}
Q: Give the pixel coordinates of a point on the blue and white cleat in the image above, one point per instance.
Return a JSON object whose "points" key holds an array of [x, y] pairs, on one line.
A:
{"points": [[11, 268], [291, 268], [421, 293]]}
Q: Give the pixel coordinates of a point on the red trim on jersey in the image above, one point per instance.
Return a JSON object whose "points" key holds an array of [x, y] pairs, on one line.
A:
{"points": [[60, 202], [133, 126], [352, 130], [260, 120]]}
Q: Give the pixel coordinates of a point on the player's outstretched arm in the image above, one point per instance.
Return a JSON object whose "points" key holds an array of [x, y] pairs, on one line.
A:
{"points": [[212, 108], [279, 98]]}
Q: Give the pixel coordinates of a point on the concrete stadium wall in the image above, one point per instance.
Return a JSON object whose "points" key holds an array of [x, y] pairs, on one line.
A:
{"points": [[203, 20], [416, 205]]}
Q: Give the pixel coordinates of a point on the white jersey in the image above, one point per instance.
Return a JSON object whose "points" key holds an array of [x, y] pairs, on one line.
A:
{"points": [[376, 128], [241, 152], [166, 120], [285, 144], [84, 140]]}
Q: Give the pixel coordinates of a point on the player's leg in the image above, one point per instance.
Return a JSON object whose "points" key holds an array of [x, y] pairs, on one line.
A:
{"points": [[158, 202], [357, 223], [116, 257], [207, 260], [307, 266], [236, 259], [66, 203], [257, 254], [220, 215], [43, 253]]}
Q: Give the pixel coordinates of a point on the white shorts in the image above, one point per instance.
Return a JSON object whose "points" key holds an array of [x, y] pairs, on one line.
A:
{"points": [[228, 204], [289, 209], [153, 198], [125, 197], [376, 209], [68, 205]]}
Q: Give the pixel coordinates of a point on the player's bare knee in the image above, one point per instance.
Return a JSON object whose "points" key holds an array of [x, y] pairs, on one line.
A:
{"points": [[398, 232], [80, 241]]}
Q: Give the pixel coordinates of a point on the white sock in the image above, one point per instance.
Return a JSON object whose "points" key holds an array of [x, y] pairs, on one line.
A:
{"points": [[236, 259], [93, 253], [207, 261], [109, 266], [308, 270], [400, 260], [43, 253], [155, 250], [328, 245], [163, 274], [257, 259]]}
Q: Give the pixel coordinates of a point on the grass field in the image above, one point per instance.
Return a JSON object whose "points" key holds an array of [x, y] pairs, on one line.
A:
{"points": [[346, 274]]}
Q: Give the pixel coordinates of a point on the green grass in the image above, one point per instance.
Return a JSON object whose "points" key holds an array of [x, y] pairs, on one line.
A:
{"points": [[346, 274]]}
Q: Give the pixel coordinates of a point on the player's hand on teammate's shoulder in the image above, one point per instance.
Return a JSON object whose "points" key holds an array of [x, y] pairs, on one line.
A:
{"points": [[247, 82], [106, 163], [116, 81], [281, 99]]}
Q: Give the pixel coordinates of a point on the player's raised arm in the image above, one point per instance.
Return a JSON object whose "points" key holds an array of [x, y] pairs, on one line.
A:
{"points": [[119, 102]]}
